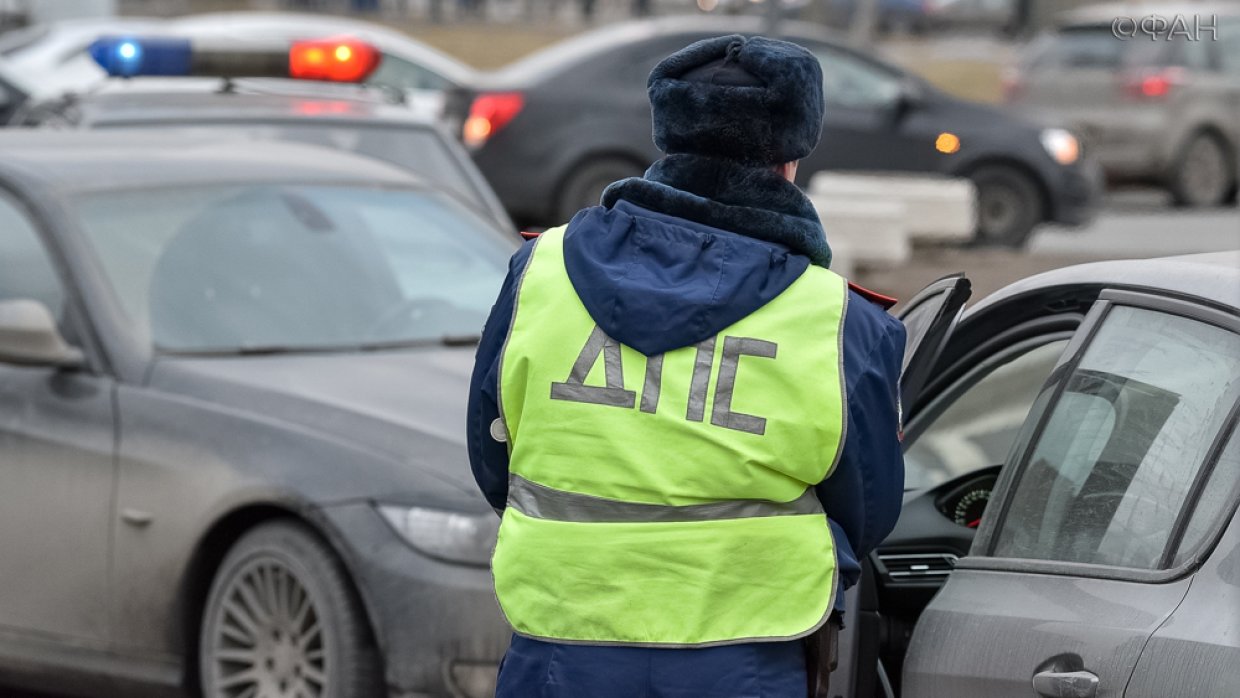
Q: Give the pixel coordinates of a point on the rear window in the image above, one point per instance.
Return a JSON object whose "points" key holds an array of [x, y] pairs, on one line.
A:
{"points": [[418, 150]]}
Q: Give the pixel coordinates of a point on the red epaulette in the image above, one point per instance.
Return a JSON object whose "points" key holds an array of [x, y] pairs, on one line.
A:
{"points": [[530, 234], [873, 296]]}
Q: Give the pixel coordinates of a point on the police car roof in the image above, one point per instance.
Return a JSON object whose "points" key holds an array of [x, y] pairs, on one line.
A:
{"points": [[101, 160], [200, 99], [1213, 276]]}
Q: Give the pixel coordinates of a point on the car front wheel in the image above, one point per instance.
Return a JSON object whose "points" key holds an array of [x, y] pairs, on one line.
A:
{"points": [[282, 621], [1202, 174], [1009, 205]]}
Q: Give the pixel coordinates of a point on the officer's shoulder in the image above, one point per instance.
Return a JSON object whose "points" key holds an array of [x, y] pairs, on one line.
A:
{"points": [[867, 318], [882, 300]]}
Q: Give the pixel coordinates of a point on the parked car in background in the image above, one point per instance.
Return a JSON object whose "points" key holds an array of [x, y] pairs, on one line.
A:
{"points": [[1163, 110], [55, 56], [553, 129], [233, 376]]}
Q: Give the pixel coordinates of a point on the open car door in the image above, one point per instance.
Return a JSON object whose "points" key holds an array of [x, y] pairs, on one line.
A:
{"points": [[929, 318]]}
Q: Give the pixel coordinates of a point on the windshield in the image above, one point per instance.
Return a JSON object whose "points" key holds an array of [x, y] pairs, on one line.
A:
{"points": [[285, 267]]}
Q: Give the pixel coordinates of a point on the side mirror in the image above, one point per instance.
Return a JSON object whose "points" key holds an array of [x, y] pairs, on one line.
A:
{"points": [[28, 336], [911, 98]]}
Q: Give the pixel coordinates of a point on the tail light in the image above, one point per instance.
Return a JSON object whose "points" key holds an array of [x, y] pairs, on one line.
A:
{"points": [[488, 114], [1152, 85]]}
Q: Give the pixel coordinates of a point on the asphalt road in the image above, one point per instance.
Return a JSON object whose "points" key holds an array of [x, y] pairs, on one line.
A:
{"points": [[1132, 224]]}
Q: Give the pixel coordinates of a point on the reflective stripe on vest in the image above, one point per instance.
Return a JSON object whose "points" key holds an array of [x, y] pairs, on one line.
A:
{"points": [[667, 500]]}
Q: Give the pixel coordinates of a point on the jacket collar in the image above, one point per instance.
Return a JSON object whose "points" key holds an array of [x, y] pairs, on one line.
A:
{"points": [[752, 201]]}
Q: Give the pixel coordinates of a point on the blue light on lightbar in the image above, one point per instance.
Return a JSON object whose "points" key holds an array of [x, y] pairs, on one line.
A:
{"points": [[130, 56]]}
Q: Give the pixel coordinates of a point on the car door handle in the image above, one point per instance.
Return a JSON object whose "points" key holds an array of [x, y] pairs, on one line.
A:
{"points": [[137, 517], [1065, 684]]}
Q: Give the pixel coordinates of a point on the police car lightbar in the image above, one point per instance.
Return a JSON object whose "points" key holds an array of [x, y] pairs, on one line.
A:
{"points": [[337, 59]]}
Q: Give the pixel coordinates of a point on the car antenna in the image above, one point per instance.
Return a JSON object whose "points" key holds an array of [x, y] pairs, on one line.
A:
{"points": [[227, 86]]}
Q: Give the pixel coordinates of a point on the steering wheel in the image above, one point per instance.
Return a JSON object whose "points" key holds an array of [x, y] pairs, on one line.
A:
{"points": [[416, 307]]}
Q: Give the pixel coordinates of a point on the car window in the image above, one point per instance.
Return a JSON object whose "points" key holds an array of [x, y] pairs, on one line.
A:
{"points": [[851, 82], [419, 150], [981, 418], [403, 74], [26, 271], [229, 268], [1090, 47], [1113, 465], [1217, 497]]}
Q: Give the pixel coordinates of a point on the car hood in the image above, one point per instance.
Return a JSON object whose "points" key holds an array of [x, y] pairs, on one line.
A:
{"points": [[970, 117], [403, 408]]}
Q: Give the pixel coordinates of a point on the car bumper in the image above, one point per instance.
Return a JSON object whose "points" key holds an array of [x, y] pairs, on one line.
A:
{"points": [[1075, 194], [439, 627]]}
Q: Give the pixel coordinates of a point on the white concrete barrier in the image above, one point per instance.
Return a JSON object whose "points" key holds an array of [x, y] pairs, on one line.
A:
{"points": [[936, 208], [864, 233]]}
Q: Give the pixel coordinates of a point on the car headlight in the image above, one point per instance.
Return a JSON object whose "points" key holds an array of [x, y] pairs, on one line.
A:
{"points": [[447, 535], [1061, 145]]}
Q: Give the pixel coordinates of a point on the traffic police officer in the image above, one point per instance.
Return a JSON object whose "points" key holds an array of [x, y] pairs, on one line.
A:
{"points": [[670, 393]]}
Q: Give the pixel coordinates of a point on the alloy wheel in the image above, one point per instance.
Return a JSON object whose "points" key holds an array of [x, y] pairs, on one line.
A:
{"points": [[268, 640]]}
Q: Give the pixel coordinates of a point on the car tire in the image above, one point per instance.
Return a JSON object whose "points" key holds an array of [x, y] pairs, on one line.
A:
{"points": [[1202, 174], [282, 618], [584, 186], [1009, 205]]}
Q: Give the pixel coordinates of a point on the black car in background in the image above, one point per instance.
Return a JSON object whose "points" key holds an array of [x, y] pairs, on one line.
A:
{"points": [[347, 117], [553, 129]]}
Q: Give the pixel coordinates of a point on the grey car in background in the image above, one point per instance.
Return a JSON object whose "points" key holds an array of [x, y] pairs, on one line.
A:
{"points": [[353, 118], [233, 379], [1162, 109]]}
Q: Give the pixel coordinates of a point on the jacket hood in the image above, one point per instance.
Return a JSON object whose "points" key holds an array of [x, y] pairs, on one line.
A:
{"points": [[656, 282]]}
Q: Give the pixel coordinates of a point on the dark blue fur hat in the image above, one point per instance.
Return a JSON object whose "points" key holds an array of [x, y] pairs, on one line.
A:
{"points": [[756, 101]]}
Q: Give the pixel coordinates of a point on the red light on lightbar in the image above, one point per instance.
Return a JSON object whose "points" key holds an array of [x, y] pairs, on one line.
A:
{"points": [[337, 60], [488, 114]]}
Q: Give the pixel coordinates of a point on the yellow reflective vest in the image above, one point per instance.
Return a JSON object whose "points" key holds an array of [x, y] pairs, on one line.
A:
{"points": [[668, 500]]}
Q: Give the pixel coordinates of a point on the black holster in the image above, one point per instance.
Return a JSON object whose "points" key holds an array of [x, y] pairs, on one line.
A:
{"points": [[821, 657]]}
